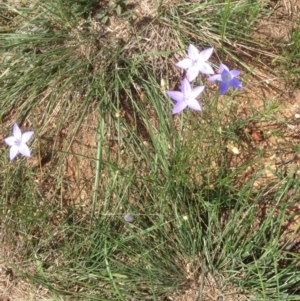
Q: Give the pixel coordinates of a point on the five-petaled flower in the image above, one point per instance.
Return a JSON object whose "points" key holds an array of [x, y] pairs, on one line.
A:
{"points": [[186, 98], [17, 142], [226, 78], [196, 62]]}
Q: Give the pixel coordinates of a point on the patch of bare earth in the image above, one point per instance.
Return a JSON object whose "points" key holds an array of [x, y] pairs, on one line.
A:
{"points": [[209, 289], [13, 287]]}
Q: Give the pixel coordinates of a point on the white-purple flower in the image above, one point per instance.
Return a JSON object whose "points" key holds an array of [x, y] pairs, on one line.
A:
{"points": [[129, 218], [226, 78], [17, 142], [196, 62], [186, 98]]}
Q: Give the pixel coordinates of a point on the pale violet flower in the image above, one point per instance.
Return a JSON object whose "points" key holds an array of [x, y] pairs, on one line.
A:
{"points": [[196, 62], [226, 78], [17, 142], [186, 98], [129, 218]]}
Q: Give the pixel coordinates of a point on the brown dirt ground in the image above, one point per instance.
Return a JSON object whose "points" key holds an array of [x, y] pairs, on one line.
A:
{"points": [[13, 288]]}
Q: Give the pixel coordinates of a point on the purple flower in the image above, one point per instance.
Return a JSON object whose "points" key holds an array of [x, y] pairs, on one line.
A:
{"points": [[17, 142], [186, 98], [196, 62], [129, 218], [226, 78]]}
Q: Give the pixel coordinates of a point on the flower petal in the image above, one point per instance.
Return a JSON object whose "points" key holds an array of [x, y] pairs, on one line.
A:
{"points": [[206, 54], [24, 150], [10, 140], [214, 78], [236, 83], [13, 152], [235, 73], [17, 132], [223, 67], [197, 91], [179, 106], [186, 88], [193, 52], [192, 73], [224, 86], [175, 95], [26, 136], [194, 104], [185, 64], [205, 68]]}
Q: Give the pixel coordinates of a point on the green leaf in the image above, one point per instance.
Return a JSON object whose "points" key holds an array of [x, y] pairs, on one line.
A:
{"points": [[104, 19], [118, 10]]}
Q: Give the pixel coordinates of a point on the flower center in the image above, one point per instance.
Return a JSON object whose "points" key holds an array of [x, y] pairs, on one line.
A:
{"points": [[187, 98], [18, 142], [226, 76]]}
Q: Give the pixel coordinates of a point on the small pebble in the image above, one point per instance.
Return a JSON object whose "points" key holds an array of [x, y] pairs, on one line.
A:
{"points": [[297, 116]]}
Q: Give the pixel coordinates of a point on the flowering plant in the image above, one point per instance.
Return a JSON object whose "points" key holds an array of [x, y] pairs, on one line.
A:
{"points": [[226, 78], [186, 97], [17, 142], [197, 63]]}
